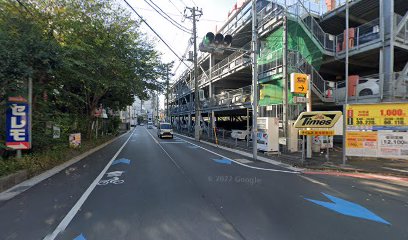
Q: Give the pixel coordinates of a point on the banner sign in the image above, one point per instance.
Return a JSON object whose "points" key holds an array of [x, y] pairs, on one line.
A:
{"points": [[385, 144], [384, 115], [316, 132], [17, 124], [75, 140]]}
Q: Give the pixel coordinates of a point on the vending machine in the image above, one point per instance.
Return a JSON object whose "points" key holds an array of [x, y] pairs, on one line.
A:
{"points": [[268, 134]]}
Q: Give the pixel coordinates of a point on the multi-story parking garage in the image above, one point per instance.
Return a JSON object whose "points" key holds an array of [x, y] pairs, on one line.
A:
{"points": [[315, 44]]}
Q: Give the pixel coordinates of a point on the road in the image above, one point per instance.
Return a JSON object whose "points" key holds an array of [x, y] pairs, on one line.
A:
{"points": [[143, 187]]}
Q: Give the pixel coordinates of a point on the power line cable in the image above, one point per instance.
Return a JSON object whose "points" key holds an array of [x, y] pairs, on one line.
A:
{"points": [[167, 17], [24, 6], [181, 15], [183, 3], [141, 18], [175, 7], [194, 3]]}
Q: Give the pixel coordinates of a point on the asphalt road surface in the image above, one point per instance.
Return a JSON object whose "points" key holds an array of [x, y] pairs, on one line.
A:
{"points": [[143, 187]]}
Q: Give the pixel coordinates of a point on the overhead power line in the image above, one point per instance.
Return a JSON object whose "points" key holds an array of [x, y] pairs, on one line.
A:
{"points": [[167, 45], [167, 17], [175, 7]]}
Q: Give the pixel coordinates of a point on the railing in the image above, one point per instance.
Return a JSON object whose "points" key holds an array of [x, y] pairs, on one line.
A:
{"points": [[301, 13], [359, 36], [401, 28], [274, 60], [320, 86], [269, 12], [233, 61]]}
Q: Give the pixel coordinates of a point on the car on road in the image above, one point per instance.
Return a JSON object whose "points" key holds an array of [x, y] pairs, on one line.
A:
{"points": [[142, 124], [165, 130], [149, 125], [365, 87], [241, 134]]}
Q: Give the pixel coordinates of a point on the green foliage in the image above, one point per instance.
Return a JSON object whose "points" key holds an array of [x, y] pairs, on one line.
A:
{"points": [[80, 55]]}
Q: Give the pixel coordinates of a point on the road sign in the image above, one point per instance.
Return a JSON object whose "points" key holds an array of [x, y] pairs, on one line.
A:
{"points": [[317, 119], [17, 124], [316, 132], [299, 83]]}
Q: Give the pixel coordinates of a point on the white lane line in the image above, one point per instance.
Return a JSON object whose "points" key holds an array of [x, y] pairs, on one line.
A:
{"points": [[174, 162], [395, 169], [242, 164], [74, 210]]}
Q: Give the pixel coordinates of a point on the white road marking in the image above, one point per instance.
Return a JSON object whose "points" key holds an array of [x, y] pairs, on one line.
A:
{"points": [[395, 169], [74, 210], [174, 162], [242, 164], [243, 160]]}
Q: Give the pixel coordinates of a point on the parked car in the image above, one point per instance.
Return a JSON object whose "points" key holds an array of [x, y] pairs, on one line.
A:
{"points": [[241, 134], [365, 87], [164, 130]]}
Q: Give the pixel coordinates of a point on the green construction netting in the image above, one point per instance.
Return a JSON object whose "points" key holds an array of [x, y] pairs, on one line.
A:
{"points": [[271, 90]]}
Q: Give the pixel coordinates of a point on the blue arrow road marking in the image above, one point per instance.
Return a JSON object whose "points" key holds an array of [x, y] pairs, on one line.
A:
{"points": [[122, 160], [348, 208], [222, 161], [80, 237]]}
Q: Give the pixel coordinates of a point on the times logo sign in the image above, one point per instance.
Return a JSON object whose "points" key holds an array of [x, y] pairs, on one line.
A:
{"points": [[317, 119]]}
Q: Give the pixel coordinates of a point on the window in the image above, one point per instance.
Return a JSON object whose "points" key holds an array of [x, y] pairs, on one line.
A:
{"points": [[165, 126]]}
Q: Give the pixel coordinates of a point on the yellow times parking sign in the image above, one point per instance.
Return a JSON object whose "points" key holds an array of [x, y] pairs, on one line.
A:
{"points": [[299, 83]]}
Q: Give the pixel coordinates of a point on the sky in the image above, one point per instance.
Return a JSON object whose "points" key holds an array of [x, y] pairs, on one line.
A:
{"points": [[214, 13]]}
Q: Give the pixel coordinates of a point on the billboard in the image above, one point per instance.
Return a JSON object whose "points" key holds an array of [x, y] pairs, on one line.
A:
{"points": [[18, 124], [378, 116], [377, 130]]}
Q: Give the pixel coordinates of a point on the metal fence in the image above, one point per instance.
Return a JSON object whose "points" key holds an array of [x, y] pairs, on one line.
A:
{"points": [[359, 36]]}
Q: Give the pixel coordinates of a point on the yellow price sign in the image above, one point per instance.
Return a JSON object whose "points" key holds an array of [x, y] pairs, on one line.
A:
{"points": [[383, 114]]}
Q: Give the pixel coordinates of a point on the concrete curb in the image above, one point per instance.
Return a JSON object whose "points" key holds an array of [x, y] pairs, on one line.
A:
{"points": [[12, 179], [245, 154], [23, 186]]}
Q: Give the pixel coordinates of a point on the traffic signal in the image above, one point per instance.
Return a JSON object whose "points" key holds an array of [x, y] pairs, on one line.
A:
{"points": [[211, 43]]}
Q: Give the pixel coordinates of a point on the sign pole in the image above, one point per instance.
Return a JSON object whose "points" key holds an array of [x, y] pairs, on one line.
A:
{"points": [[309, 109], [303, 149]]}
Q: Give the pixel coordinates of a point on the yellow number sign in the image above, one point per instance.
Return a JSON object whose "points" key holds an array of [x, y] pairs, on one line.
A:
{"points": [[384, 114]]}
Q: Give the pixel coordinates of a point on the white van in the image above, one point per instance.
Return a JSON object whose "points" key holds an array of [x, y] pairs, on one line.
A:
{"points": [[150, 125], [164, 130]]}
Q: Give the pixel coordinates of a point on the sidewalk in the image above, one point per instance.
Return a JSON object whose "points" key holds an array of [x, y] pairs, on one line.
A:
{"points": [[319, 162]]}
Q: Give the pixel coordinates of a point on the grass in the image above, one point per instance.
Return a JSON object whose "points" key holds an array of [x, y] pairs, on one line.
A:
{"points": [[36, 163]]}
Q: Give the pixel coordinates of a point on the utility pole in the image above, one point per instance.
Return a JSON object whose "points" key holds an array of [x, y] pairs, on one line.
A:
{"points": [[285, 77], [195, 13], [157, 107], [254, 81], [167, 94], [347, 84]]}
